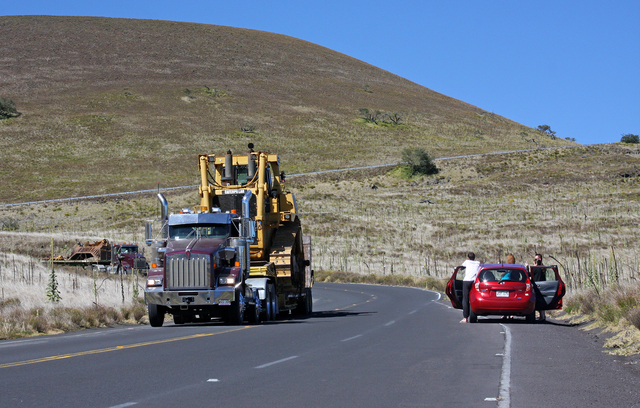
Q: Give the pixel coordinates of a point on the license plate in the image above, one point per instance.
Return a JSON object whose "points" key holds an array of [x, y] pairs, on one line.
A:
{"points": [[502, 293], [225, 302]]}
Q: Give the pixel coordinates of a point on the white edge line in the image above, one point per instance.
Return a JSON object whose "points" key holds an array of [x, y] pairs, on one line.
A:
{"points": [[276, 362], [505, 379], [351, 338], [126, 404]]}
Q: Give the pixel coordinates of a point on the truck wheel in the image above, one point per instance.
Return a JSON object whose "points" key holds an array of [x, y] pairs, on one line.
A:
{"points": [[304, 302], [156, 315], [265, 315], [270, 304], [236, 310], [309, 301], [274, 303], [253, 314]]}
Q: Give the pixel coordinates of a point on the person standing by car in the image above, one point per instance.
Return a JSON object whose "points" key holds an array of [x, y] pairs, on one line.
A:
{"points": [[537, 261], [471, 271]]}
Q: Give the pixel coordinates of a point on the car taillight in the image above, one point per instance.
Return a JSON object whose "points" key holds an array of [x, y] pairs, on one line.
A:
{"points": [[528, 287], [477, 285]]}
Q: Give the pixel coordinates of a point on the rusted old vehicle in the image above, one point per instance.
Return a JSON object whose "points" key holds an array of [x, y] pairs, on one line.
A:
{"points": [[105, 256], [240, 254]]}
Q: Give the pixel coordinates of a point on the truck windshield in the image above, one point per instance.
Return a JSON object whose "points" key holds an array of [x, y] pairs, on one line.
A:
{"points": [[198, 231], [129, 250]]}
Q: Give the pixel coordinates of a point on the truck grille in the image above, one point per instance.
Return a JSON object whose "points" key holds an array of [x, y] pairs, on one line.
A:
{"points": [[139, 263], [183, 273]]}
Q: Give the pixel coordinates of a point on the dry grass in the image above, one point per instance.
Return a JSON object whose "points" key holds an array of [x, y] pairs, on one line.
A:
{"points": [[87, 300], [570, 204], [614, 311]]}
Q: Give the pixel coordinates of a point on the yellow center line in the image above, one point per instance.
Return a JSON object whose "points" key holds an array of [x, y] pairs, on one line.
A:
{"points": [[116, 348], [373, 297]]}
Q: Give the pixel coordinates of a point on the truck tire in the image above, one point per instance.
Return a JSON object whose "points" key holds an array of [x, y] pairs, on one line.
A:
{"points": [[309, 301], [272, 302], [253, 314], [156, 315], [236, 310], [305, 303], [266, 306]]}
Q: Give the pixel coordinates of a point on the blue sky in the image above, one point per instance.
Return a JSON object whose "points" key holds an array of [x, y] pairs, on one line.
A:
{"points": [[573, 65]]}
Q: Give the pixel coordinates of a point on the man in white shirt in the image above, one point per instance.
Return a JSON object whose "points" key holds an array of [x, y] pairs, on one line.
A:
{"points": [[471, 271]]}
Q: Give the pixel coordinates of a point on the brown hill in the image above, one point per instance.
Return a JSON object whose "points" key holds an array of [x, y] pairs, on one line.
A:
{"points": [[112, 105]]}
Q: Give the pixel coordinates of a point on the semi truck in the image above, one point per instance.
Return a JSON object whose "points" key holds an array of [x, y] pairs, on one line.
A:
{"points": [[238, 255]]}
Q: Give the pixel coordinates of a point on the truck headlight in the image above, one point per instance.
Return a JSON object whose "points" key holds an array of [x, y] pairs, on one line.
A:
{"points": [[227, 280], [154, 282]]}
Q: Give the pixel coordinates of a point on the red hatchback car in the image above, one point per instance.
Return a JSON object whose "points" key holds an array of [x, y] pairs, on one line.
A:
{"points": [[505, 289]]}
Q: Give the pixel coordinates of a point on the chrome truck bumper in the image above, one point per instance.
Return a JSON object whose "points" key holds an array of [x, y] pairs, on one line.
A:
{"points": [[220, 296]]}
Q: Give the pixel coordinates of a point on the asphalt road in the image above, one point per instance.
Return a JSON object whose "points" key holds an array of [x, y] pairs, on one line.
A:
{"points": [[364, 346]]}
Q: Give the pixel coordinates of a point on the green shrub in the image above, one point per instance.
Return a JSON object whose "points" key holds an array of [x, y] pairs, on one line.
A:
{"points": [[630, 138], [609, 313], [418, 161], [8, 109]]}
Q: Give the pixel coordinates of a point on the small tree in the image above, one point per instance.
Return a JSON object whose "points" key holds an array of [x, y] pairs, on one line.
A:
{"points": [[395, 117], [547, 130], [53, 293], [418, 161], [630, 138], [370, 116], [8, 109]]}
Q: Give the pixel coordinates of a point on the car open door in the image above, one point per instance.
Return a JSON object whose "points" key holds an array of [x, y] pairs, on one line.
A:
{"points": [[454, 287], [548, 287]]}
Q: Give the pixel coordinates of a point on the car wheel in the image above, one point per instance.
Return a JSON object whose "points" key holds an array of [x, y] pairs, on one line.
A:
{"points": [[531, 317], [473, 318]]}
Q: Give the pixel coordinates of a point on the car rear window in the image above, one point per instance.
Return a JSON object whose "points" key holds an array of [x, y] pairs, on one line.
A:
{"points": [[502, 274], [543, 274]]}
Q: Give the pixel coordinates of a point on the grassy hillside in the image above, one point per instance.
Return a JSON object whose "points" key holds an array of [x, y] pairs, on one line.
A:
{"points": [[112, 105]]}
